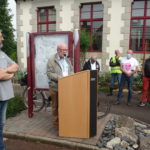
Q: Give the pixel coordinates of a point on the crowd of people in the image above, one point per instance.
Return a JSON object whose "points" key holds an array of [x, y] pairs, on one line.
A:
{"points": [[124, 68]]}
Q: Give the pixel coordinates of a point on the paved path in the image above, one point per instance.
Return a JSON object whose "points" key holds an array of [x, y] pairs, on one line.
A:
{"points": [[40, 127]]}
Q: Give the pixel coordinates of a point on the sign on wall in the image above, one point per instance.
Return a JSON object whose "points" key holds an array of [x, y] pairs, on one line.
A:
{"points": [[45, 47]]}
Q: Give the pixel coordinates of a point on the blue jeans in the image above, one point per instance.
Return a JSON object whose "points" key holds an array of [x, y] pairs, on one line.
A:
{"points": [[3, 108], [129, 80], [115, 76]]}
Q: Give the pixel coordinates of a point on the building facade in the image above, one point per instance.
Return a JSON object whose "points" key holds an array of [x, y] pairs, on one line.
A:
{"points": [[111, 24]]}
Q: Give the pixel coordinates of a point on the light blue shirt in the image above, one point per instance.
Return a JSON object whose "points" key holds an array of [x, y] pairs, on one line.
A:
{"points": [[64, 66]]}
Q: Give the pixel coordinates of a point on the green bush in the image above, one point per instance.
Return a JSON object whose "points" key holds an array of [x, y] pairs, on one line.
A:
{"points": [[15, 105], [137, 79], [103, 88], [104, 81], [105, 78], [84, 45], [84, 40], [18, 76]]}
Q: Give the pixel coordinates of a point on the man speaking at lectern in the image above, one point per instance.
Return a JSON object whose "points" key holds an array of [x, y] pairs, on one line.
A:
{"points": [[58, 66]]}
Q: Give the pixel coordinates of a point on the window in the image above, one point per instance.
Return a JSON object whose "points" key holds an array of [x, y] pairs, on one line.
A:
{"points": [[46, 19], [140, 25], [91, 21]]}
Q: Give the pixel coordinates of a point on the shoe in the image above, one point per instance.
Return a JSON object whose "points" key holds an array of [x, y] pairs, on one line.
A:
{"points": [[129, 104], [141, 104], [117, 103], [110, 94]]}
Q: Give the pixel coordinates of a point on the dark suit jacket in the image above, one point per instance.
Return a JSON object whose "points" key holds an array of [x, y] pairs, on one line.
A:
{"points": [[87, 65]]}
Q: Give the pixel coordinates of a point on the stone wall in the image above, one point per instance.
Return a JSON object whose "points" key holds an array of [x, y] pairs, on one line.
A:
{"points": [[20, 44]]}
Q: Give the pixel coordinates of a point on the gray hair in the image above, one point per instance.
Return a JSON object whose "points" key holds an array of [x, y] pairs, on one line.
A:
{"points": [[94, 58]]}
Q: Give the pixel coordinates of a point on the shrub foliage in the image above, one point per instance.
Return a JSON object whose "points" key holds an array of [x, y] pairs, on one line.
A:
{"points": [[15, 105]]}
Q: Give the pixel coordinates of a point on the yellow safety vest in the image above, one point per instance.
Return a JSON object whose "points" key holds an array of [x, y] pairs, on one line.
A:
{"points": [[115, 69]]}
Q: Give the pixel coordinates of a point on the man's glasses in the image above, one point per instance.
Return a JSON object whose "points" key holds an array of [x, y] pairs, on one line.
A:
{"points": [[63, 49]]}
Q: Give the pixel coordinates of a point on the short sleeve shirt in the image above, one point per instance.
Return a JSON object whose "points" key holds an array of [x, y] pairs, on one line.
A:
{"points": [[129, 64], [6, 88]]}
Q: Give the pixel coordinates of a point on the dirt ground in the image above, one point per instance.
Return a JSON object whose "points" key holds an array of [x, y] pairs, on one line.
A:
{"points": [[140, 113], [16, 144]]}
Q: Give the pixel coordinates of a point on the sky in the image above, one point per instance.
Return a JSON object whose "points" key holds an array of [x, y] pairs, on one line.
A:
{"points": [[12, 6]]}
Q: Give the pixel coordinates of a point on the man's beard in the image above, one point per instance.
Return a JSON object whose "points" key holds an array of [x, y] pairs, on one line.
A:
{"points": [[1, 45]]}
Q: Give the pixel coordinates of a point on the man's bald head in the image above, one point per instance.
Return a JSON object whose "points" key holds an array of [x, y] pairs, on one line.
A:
{"points": [[62, 50], [93, 59], [130, 51], [62, 46], [117, 52]]}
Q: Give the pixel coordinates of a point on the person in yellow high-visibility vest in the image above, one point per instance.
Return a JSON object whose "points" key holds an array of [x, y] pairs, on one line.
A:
{"points": [[115, 70]]}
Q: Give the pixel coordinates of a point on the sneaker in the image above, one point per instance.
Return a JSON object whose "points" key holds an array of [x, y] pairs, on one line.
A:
{"points": [[141, 104], [117, 103]]}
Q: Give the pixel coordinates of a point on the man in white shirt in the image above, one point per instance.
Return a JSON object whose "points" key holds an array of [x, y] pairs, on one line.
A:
{"points": [[129, 66]]}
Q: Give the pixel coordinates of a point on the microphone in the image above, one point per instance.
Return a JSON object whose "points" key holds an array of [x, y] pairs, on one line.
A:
{"points": [[66, 55]]}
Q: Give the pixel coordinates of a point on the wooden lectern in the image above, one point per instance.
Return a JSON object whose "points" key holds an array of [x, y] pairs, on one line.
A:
{"points": [[78, 105]]}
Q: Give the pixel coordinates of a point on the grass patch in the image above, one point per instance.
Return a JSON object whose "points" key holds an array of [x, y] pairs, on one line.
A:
{"points": [[15, 105], [104, 88]]}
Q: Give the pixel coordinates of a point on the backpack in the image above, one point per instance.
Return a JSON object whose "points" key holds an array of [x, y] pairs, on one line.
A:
{"points": [[147, 68]]}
